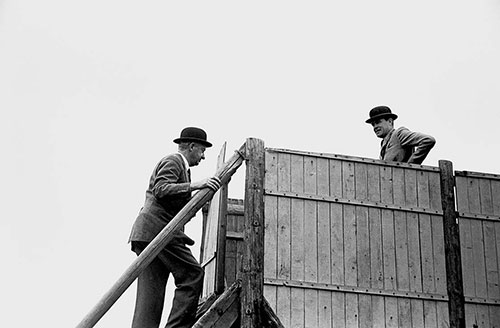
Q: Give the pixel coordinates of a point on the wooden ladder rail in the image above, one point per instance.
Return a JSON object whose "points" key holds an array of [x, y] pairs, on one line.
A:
{"points": [[160, 241]]}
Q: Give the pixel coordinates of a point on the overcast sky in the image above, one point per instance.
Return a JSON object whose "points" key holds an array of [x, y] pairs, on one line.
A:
{"points": [[92, 93]]}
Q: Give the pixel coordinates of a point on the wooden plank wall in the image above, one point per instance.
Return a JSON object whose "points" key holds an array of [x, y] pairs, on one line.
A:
{"points": [[478, 204], [352, 242]]}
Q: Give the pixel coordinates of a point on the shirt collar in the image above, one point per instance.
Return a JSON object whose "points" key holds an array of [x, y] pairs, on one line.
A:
{"points": [[186, 163]]}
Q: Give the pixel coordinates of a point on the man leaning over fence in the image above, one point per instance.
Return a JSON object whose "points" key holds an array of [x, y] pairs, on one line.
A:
{"points": [[401, 144]]}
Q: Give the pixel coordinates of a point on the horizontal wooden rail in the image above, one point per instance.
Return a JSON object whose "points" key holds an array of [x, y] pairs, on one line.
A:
{"points": [[355, 202], [160, 241], [355, 289]]}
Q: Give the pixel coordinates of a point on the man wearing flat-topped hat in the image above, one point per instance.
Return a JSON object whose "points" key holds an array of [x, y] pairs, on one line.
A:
{"points": [[169, 190], [399, 145]]}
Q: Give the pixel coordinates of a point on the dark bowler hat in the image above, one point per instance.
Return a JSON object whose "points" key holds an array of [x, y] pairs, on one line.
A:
{"points": [[380, 112], [193, 134]]}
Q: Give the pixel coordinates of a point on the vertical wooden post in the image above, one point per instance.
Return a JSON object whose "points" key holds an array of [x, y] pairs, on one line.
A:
{"points": [[220, 269], [456, 304], [253, 254]]}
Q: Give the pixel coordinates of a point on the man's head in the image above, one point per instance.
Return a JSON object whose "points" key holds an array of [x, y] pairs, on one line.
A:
{"points": [[382, 120], [192, 144]]}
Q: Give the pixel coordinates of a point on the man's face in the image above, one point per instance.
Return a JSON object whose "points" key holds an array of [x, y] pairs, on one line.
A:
{"points": [[382, 126], [196, 153]]}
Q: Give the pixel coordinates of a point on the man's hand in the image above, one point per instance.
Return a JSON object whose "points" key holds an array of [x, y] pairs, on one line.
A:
{"points": [[213, 183]]}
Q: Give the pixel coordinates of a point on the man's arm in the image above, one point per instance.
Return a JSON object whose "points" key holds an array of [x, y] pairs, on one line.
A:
{"points": [[423, 144], [167, 179]]}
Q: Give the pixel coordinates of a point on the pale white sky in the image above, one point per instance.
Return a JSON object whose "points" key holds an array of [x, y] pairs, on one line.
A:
{"points": [[93, 92]]}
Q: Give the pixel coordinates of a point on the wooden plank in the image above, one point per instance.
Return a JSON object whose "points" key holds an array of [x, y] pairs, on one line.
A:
{"points": [[495, 191], [401, 240], [270, 294], [478, 259], [335, 178], [410, 192], [220, 264], [365, 311], [439, 254], [378, 309], [338, 310], [363, 247], [443, 319], [223, 305], [490, 253], [495, 316], [452, 246], [297, 240], [351, 310], [271, 237], [310, 243], [427, 254], [404, 312], [324, 309], [376, 249], [430, 314], [252, 284], [415, 267], [423, 195], [283, 307], [435, 191], [362, 232], [271, 218], [337, 242], [465, 237], [374, 181], [485, 196], [417, 313], [389, 251], [390, 184], [350, 242], [284, 228], [391, 312]]}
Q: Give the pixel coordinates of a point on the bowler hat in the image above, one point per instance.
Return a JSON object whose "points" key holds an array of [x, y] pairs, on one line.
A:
{"points": [[380, 112], [193, 134]]}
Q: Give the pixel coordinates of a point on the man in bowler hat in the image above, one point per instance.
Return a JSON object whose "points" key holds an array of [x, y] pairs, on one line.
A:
{"points": [[169, 190], [399, 145]]}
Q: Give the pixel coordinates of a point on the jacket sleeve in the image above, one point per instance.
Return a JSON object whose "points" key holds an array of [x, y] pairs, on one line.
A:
{"points": [[423, 144], [169, 179]]}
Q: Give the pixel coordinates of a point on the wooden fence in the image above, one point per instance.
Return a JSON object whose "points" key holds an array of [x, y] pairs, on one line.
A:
{"points": [[478, 204], [354, 242]]}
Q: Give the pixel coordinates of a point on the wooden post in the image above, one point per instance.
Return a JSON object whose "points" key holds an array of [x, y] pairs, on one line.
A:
{"points": [[253, 253], [220, 269], [456, 303], [160, 241]]}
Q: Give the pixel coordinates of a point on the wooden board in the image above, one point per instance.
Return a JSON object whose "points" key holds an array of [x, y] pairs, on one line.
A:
{"points": [[478, 204]]}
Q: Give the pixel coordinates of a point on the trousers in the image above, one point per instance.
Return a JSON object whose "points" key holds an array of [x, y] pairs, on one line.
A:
{"points": [[178, 260]]}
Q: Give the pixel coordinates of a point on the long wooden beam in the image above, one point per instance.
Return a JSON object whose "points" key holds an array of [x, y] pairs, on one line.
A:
{"points": [[160, 241], [454, 279]]}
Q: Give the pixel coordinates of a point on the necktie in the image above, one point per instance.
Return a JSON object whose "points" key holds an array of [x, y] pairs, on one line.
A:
{"points": [[189, 175]]}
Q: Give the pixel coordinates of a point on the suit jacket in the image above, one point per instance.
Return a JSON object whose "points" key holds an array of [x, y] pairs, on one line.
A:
{"points": [[403, 145], [168, 191]]}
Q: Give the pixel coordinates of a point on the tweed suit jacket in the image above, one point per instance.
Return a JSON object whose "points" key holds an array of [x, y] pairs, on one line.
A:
{"points": [[167, 193], [403, 145]]}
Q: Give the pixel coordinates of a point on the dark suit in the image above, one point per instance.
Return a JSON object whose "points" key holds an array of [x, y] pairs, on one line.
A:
{"points": [[167, 193], [403, 145]]}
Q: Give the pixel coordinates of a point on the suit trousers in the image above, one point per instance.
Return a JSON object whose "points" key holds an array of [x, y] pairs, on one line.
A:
{"points": [[177, 259]]}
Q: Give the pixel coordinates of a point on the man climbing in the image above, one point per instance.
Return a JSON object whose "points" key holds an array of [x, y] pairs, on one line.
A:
{"points": [[168, 192]]}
